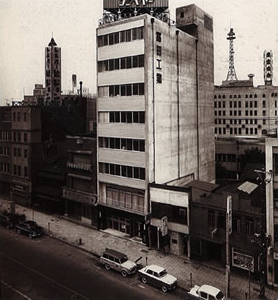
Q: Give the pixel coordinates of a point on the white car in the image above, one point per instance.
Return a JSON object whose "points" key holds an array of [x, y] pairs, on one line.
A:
{"points": [[158, 276], [207, 292]]}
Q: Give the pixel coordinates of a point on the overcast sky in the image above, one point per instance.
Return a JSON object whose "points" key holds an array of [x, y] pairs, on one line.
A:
{"points": [[26, 27]]}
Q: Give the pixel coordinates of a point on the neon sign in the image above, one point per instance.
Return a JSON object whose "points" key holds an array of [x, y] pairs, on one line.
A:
{"points": [[137, 2]]}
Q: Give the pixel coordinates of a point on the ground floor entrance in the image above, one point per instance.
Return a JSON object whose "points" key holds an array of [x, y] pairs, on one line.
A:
{"points": [[128, 223]]}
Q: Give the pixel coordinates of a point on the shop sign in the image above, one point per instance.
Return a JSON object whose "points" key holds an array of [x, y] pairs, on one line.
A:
{"points": [[137, 2], [164, 226], [229, 213], [242, 261]]}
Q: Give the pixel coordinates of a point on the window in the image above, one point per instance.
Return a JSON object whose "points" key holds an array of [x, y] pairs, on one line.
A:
{"points": [[25, 117], [158, 50], [249, 226], [25, 137], [211, 218], [158, 78], [158, 64], [158, 36]]}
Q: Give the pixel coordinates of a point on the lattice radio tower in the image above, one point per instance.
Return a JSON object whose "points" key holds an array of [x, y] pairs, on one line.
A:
{"points": [[231, 72]]}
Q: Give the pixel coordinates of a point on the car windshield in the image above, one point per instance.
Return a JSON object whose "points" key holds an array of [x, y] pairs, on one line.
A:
{"points": [[220, 295], [162, 273], [124, 259]]}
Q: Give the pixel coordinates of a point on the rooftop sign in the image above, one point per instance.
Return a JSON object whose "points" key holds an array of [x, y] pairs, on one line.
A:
{"points": [[110, 4]]}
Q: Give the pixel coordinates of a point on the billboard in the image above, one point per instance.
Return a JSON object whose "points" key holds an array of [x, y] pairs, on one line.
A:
{"points": [[110, 4]]}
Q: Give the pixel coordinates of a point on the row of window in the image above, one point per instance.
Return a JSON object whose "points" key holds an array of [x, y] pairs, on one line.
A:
{"points": [[124, 171], [220, 222], [6, 136], [17, 136], [128, 62], [239, 121], [20, 171], [246, 96], [5, 151], [236, 121], [225, 157], [250, 131], [5, 168], [219, 104], [133, 89], [125, 199], [238, 113], [121, 143], [17, 169], [121, 37], [17, 152], [122, 117], [17, 116]]}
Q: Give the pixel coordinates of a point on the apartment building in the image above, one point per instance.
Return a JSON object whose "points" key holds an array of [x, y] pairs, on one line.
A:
{"points": [[155, 114]]}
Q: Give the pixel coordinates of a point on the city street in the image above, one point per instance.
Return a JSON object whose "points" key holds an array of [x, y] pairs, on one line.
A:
{"points": [[46, 268]]}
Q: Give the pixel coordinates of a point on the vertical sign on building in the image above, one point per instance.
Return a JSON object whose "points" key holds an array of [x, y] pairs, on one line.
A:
{"points": [[164, 226], [229, 213]]}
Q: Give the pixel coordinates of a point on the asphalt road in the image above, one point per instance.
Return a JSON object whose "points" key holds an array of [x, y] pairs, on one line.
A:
{"points": [[45, 268]]}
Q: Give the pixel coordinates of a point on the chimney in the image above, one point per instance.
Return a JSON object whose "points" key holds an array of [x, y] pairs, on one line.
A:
{"points": [[80, 88], [73, 83], [251, 77]]}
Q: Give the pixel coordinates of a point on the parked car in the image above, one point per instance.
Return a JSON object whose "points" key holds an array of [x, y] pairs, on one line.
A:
{"points": [[158, 277], [112, 259], [9, 220], [29, 228], [207, 292]]}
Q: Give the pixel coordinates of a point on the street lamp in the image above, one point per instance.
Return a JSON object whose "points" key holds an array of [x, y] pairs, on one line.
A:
{"points": [[261, 239]]}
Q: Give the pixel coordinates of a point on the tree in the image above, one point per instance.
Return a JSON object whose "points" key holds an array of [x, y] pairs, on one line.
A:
{"points": [[254, 155]]}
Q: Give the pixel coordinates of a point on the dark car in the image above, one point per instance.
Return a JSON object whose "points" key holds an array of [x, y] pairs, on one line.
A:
{"points": [[9, 220], [29, 228]]}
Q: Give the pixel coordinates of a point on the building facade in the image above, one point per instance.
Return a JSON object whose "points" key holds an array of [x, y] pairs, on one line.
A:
{"points": [[244, 116], [272, 210], [52, 73], [80, 189], [154, 87], [208, 209]]}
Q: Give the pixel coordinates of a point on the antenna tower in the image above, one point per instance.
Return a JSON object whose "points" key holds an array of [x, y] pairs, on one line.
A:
{"points": [[231, 72]]}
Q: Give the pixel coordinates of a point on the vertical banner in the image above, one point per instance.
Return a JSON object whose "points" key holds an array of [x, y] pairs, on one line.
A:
{"points": [[164, 226], [229, 214]]}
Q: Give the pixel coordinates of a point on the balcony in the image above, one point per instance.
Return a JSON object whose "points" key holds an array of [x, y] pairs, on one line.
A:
{"points": [[125, 206]]}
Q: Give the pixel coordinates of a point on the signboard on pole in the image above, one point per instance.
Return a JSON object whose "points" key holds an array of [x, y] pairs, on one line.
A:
{"points": [[164, 226], [229, 214]]}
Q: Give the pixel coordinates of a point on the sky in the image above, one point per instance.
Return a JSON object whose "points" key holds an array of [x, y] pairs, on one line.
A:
{"points": [[26, 28]]}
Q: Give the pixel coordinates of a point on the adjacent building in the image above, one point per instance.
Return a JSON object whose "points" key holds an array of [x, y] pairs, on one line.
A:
{"points": [[244, 115], [272, 210], [208, 209], [155, 110]]}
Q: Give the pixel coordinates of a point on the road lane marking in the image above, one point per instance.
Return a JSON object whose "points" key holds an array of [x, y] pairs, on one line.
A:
{"points": [[46, 277], [15, 290]]}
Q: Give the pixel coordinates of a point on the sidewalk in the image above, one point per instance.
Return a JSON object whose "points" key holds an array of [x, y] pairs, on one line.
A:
{"points": [[95, 241]]}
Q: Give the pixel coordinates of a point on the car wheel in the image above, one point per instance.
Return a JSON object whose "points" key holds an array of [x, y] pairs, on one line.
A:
{"points": [[30, 236], [19, 231], [144, 280], [164, 289], [8, 226], [124, 273], [107, 267]]}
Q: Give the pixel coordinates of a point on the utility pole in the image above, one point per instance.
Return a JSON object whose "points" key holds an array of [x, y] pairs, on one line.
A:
{"points": [[228, 232], [261, 239]]}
